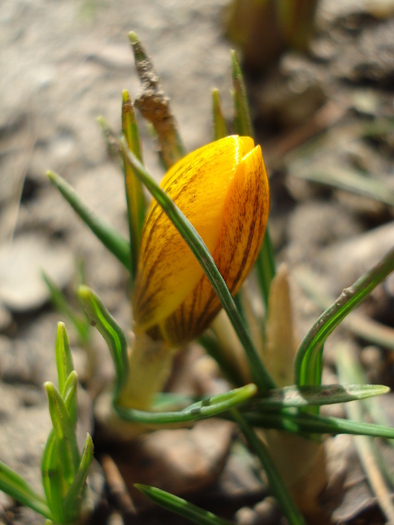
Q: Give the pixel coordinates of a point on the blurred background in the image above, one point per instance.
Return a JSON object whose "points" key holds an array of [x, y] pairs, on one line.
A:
{"points": [[320, 78]]}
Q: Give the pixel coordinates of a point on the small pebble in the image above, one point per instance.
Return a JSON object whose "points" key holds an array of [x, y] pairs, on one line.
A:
{"points": [[371, 357], [246, 516], [268, 512]]}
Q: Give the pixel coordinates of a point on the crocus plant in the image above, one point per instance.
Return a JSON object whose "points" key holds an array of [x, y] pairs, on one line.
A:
{"points": [[223, 190], [188, 255], [64, 470]]}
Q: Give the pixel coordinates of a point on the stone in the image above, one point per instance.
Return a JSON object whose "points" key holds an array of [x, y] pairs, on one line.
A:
{"points": [[21, 262]]}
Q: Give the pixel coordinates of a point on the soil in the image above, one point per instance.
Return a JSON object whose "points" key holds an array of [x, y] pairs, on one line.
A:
{"points": [[63, 64]]}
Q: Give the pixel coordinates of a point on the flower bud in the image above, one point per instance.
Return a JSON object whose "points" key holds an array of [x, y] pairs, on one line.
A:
{"points": [[222, 188]]}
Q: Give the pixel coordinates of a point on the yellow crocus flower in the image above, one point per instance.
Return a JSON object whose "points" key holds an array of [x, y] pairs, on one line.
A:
{"points": [[222, 188]]}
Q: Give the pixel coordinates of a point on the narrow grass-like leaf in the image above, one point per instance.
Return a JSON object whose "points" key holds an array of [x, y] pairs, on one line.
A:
{"points": [[134, 195], [74, 498], [61, 303], [64, 432], [242, 118], [64, 360], [358, 323], [293, 396], [277, 486], [70, 397], [219, 124], [292, 420], [311, 347], [201, 410], [55, 486], [181, 506], [52, 479], [111, 239], [108, 328], [16, 487], [199, 249], [265, 264]]}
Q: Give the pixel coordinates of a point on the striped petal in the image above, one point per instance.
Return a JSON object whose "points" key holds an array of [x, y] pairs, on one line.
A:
{"points": [[223, 190]]}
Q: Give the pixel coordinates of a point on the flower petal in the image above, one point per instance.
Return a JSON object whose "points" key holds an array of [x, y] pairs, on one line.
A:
{"points": [[242, 231], [223, 190]]}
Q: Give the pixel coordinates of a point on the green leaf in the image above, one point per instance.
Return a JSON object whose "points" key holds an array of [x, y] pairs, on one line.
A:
{"points": [[70, 397], [111, 239], [52, 478], [308, 357], [74, 498], [64, 433], [296, 422], [278, 488], [55, 486], [197, 246], [134, 196], [219, 124], [16, 487], [181, 506], [293, 396], [358, 323], [201, 410], [242, 118], [108, 328], [64, 360]]}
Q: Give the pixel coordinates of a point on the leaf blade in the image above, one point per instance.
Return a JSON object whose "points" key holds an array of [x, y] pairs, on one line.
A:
{"points": [[278, 488], [293, 396], [64, 433], [111, 239], [110, 330], [311, 347], [180, 506], [134, 196], [14, 485], [74, 498], [52, 478], [210, 407]]}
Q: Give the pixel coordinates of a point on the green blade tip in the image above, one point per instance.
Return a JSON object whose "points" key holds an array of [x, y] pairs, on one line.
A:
{"points": [[49, 387], [125, 96], [51, 175], [72, 378], [133, 37], [84, 292], [234, 60]]}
